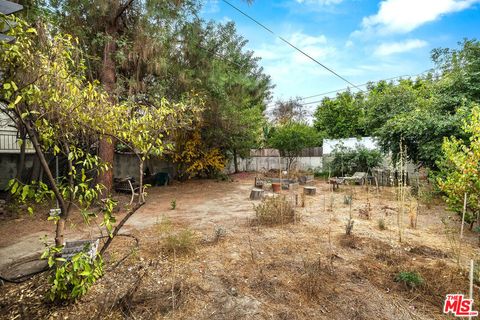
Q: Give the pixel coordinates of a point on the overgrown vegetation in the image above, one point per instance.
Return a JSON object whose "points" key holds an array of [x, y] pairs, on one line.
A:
{"points": [[346, 161], [291, 138], [72, 278], [420, 111], [153, 78], [46, 93], [459, 170]]}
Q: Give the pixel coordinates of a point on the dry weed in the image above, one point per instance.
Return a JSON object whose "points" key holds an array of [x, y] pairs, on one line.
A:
{"points": [[413, 213], [275, 211], [315, 277], [350, 241], [182, 242]]}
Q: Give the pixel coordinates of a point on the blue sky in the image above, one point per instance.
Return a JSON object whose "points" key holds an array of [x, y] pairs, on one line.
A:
{"points": [[362, 40]]}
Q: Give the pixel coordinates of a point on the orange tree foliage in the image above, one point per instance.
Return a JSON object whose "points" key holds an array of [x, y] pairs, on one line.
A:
{"points": [[194, 158]]}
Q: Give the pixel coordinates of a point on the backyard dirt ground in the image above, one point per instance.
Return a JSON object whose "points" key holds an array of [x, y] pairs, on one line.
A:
{"points": [[228, 268]]}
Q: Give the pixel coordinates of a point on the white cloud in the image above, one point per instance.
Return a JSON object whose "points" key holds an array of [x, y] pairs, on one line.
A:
{"points": [[402, 16], [302, 40], [315, 46], [292, 72], [386, 49], [349, 44]]}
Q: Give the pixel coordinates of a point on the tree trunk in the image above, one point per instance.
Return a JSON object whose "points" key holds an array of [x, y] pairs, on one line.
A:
{"points": [[20, 162], [59, 232], [108, 78], [235, 162], [141, 199], [106, 153], [119, 226], [21, 156]]}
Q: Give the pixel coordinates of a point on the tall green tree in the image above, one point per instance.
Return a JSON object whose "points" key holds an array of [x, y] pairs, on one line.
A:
{"points": [[341, 117], [424, 111], [459, 170], [215, 64], [420, 112], [124, 41], [291, 138]]}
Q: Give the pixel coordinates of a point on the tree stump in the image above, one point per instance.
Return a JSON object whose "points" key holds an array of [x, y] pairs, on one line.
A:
{"points": [[310, 191], [256, 194]]}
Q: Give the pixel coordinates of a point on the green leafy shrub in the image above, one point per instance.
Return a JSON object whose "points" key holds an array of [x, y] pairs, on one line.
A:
{"points": [[460, 170], [410, 279], [219, 233], [221, 176], [71, 279], [319, 173], [381, 224], [291, 138], [173, 204], [347, 161], [477, 230]]}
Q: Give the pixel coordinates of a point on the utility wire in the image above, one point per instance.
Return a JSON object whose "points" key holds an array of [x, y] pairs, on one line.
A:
{"points": [[360, 85], [293, 46], [343, 89]]}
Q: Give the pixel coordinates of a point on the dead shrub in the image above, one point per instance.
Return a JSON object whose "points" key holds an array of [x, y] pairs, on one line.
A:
{"points": [[428, 252], [147, 304], [350, 241], [390, 258], [315, 277], [386, 269], [365, 213], [441, 279], [413, 213], [275, 211]]}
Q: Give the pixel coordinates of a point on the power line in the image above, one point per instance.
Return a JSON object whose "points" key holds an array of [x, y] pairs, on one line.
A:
{"points": [[293, 46], [343, 89], [360, 85]]}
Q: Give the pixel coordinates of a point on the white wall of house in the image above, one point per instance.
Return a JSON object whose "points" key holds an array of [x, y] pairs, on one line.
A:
{"points": [[9, 142], [367, 142], [9, 151]]}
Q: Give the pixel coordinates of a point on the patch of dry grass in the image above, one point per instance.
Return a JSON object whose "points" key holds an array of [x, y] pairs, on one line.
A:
{"points": [[275, 211]]}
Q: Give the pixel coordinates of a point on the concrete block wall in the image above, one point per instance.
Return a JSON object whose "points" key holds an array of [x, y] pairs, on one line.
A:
{"points": [[126, 164], [8, 167], [268, 163]]}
